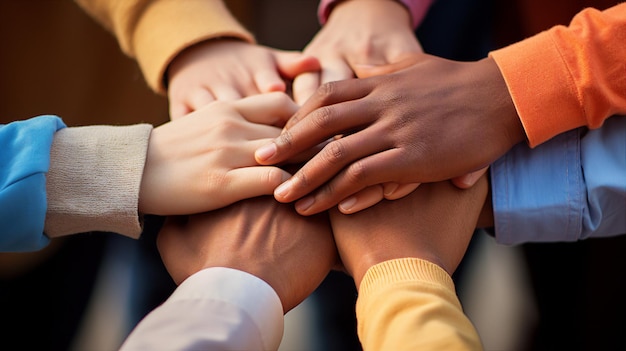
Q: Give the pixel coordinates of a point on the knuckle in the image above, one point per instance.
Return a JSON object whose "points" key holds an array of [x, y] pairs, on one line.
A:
{"points": [[335, 152], [274, 176], [356, 172], [285, 140], [326, 91], [302, 179], [227, 126], [323, 117]]}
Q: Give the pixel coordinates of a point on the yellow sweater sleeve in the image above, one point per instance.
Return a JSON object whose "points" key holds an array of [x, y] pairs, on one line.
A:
{"points": [[155, 31], [411, 304], [568, 77]]}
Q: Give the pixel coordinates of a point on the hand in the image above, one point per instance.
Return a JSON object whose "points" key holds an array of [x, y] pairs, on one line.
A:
{"points": [[433, 120], [206, 160], [228, 69], [293, 254], [357, 33], [434, 223]]}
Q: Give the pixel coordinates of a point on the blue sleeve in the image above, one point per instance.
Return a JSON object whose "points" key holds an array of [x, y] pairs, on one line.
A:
{"points": [[570, 188], [24, 162]]}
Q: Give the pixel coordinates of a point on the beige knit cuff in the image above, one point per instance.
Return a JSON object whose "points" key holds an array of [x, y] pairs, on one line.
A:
{"points": [[94, 178]]}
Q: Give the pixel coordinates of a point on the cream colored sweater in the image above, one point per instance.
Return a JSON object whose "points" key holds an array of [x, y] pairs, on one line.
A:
{"points": [[94, 178]]}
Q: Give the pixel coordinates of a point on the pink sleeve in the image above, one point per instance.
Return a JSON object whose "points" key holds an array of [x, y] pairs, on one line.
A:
{"points": [[417, 8]]}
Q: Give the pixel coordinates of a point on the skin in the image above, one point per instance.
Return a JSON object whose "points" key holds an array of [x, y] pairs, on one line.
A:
{"points": [[434, 223], [229, 69], [206, 160], [423, 119], [292, 253], [358, 32]]}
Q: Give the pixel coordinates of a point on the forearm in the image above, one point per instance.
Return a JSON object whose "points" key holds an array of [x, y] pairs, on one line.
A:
{"points": [[94, 179], [417, 8], [214, 309], [155, 31], [411, 304], [576, 74]]}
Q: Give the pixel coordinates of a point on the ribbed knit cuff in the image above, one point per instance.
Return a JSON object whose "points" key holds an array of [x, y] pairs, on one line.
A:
{"points": [[404, 269], [94, 178], [541, 87]]}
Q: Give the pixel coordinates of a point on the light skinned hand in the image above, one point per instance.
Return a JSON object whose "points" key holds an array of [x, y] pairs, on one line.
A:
{"points": [[433, 120], [357, 32], [292, 253], [229, 69], [434, 223], [206, 160]]}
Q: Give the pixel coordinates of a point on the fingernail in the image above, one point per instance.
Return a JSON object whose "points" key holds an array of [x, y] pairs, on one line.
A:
{"points": [[390, 188], [305, 203], [283, 189], [265, 152], [347, 204]]}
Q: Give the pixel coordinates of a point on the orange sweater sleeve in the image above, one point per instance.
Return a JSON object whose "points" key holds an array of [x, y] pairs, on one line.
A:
{"points": [[411, 304], [155, 31], [568, 77]]}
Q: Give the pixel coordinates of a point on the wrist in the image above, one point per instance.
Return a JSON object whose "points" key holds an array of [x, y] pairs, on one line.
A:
{"points": [[383, 9], [503, 110]]}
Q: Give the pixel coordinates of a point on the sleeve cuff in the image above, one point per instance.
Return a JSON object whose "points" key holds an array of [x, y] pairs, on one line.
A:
{"points": [[94, 178], [246, 291], [539, 194], [537, 77], [404, 270]]}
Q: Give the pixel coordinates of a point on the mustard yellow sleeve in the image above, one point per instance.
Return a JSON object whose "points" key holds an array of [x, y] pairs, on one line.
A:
{"points": [[568, 77], [411, 304], [155, 31]]}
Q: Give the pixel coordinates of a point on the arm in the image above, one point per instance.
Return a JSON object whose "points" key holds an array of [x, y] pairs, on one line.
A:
{"points": [[155, 31], [570, 188], [576, 74], [400, 254], [98, 178], [99, 182], [196, 50], [486, 98], [24, 161], [288, 254], [243, 314]]}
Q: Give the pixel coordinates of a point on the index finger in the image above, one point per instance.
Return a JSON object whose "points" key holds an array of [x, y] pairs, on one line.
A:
{"points": [[330, 111]]}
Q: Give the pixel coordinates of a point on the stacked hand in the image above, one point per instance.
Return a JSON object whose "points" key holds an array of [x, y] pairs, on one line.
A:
{"points": [[292, 253], [228, 69], [357, 33], [422, 119], [206, 160]]}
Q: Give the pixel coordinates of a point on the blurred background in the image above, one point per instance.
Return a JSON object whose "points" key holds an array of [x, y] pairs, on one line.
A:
{"points": [[86, 292]]}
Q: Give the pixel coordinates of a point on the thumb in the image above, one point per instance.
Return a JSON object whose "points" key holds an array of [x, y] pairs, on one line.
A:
{"points": [[290, 64]]}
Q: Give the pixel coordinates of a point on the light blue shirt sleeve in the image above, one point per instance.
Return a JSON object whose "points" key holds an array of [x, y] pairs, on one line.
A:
{"points": [[24, 162], [570, 188]]}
